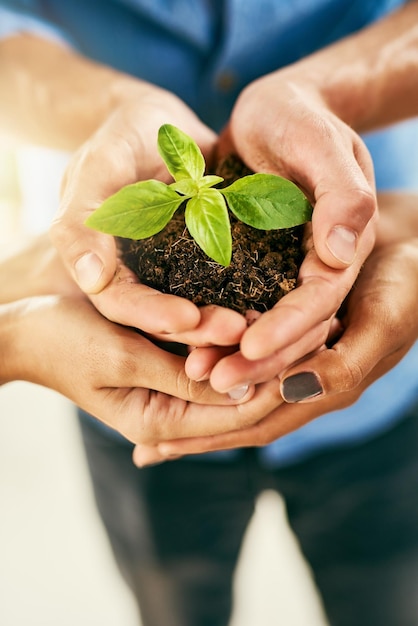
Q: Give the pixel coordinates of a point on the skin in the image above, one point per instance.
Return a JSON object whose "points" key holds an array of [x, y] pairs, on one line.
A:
{"points": [[311, 113], [113, 144], [325, 97], [52, 335], [144, 392], [379, 326]]}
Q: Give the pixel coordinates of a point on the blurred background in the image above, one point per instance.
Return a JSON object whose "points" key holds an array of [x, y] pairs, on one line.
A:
{"points": [[56, 567]]}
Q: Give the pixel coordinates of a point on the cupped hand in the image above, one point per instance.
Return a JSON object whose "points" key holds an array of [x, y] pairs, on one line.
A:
{"points": [[379, 327], [52, 335], [122, 151], [119, 376], [281, 124], [300, 323]]}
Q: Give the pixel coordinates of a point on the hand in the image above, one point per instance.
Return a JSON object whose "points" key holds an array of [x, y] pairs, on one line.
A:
{"points": [[123, 150], [299, 324], [380, 325], [228, 368], [300, 138], [115, 374], [300, 122], [62, 342]]}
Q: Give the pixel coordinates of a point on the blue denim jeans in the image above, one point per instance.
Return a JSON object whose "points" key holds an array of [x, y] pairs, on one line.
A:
{"points": [[176, 528]]}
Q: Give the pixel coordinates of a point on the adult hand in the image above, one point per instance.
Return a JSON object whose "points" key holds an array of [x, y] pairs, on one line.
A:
{"points": [[115, 374], [109, 121], [122, 151], [141, 390], [299, 324], [320, 289], [379, 326], [300, 121], [299, 137]]}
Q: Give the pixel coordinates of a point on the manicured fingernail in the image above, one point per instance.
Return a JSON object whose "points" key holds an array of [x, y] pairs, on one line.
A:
{"points": [[88, 270], [303, 386], [342, 243], [238, 393]]}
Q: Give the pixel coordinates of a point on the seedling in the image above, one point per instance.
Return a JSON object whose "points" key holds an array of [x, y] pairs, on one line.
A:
{"points": [[140, 210]]}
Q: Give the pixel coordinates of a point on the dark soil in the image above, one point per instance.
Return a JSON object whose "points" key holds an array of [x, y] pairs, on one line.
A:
{"points": [[264, 265]]}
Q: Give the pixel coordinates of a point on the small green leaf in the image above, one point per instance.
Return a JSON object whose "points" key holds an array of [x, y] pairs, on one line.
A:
{"points": [[180, 153], [210, 181], [136, 211], [267, 202], [208, 223], [187, 187]]}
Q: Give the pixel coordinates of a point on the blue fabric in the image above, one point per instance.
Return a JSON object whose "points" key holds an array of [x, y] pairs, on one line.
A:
{"points": [[206, 52], [191, 46]]}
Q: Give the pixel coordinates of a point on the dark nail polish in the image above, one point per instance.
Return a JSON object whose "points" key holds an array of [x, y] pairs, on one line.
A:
{"points": [[301, 386]]}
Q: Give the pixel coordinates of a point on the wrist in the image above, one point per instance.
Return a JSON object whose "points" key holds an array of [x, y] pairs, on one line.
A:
{"points": [[10, 353], [26, 331], [365, 79], [33, 271]]}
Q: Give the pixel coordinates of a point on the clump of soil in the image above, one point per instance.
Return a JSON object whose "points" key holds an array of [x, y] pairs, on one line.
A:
{"points": [[264, 266]]}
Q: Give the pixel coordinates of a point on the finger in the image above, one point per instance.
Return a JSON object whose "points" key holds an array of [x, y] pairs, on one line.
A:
{"points": [[376, 334], [217, 326], [235, 370], [95, 173], [146, 456], [108, 356], [162, 418], [317, 298], [130, 303], [380, 330], [283, 420], [201, 361], [345, 203], [320, 153]]}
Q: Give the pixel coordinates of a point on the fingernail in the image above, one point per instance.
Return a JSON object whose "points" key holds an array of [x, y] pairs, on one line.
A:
{"points": [[238, 393], [342, 243], [301, 386], [88, 270]]}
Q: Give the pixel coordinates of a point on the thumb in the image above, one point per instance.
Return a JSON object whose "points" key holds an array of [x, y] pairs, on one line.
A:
{"points": [[89, 256], [343, 224], [345, 213], [93, 174]]}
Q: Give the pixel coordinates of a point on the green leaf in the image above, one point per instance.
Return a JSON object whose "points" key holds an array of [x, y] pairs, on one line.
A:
{"points": [[187, 187], [208, 223], [180, 153], [210, 181], [190, 187], [267, 202], [136, 211]]}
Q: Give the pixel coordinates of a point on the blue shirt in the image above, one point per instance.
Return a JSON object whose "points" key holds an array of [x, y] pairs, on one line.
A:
{"points": [[206, 51]]}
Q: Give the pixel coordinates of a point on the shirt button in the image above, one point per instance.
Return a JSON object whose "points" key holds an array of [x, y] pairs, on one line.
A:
{"points": [[226, 80]]}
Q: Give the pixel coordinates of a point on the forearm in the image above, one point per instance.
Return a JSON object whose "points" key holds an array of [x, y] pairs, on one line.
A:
{"points": [[6, 348], [11, 323], [369, 79], [34, 270], [55, 97]]}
